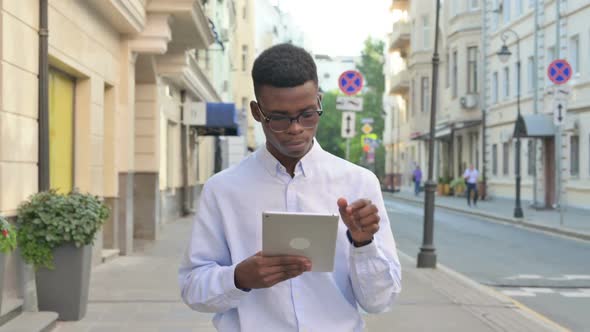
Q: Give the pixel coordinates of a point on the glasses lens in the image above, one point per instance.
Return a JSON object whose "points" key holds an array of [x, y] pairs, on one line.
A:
{"points": [[309, 119], [279, 123]]}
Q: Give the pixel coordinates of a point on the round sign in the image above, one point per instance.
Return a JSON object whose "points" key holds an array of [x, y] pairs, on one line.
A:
{"points": [[350, 82], [559, 71]]}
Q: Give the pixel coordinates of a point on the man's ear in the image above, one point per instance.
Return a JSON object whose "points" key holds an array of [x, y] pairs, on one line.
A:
{"points": [[254, 111]]}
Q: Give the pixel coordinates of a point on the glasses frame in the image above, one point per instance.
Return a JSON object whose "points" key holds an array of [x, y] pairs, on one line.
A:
{"points": [[291, 119]]}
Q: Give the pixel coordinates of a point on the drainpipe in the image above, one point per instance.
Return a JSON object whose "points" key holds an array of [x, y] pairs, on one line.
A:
{"points": [[43, 166], [184, 157], [484, 95]]}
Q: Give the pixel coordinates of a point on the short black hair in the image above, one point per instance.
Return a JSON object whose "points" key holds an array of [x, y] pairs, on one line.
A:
{"points": [[283, 66]]}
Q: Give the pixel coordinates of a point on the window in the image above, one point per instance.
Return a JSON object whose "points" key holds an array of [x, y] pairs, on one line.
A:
{"points": [[496, 5], [518, 8], [506, 158], [472, 70], [245, 104], [244, 57], [245, 9], [532, 3], [531, 71], [495, 88], [425, 33], [574, 155], [574, 54], [425, 94], [454, 7], [531, 157], [507, 81], [413, 102], [506, 11], [476, 150], [460, 165], [473, 4], [495, 159], [454, 74], [550, 58], [448, 70], [516, 77]]}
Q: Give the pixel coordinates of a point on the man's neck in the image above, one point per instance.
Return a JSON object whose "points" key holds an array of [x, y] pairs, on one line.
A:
{"points": [[288, 162]]}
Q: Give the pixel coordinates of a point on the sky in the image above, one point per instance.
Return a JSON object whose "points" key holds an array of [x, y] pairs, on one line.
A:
{"points": [[339, 27]]}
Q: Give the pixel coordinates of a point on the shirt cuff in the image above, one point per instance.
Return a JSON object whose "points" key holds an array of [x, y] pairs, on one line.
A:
{"points": [[231, 291], [369, 250]]}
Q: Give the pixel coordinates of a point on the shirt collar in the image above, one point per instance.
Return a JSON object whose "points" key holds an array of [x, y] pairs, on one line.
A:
{"points": [[305, 165]]}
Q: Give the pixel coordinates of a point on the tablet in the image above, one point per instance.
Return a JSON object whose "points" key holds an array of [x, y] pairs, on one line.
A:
{"points": [[312, 235]]}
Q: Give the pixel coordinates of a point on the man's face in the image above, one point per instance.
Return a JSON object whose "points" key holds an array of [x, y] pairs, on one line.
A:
{"points": [[296, 140]]}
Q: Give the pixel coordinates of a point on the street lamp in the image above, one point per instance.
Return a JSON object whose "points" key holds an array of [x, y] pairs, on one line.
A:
{"points": [[504, 54], [427, 254]]}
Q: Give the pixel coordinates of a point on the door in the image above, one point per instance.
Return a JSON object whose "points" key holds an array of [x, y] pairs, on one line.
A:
{"points": [[61, 131], [549, 166]]}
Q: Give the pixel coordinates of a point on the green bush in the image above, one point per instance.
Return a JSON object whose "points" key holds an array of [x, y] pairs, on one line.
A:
{"points": [[7, 236], [50, 219], [458, 184]]}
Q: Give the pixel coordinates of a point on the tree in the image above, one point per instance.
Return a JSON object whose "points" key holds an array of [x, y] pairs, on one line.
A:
{"points": [[329, 131]]}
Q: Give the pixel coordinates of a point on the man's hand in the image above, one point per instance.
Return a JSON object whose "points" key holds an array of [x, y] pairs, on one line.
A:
{"points": [[262, 272], [361, 218]]}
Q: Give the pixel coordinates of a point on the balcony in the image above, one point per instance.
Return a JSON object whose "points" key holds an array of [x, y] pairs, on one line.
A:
{"points": [[400, 35], [400, 5], [399, 83]]}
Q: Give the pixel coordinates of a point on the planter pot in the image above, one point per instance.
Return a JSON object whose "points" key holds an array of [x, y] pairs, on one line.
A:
{"points": [[481, 190], [446, 189], [2, 263], [65, 289], [440, 189]]}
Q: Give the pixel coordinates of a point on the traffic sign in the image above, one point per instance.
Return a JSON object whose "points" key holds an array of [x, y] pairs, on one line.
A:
{"points": [[350, 82], [559, 111], [367, 120], [348, 127], [348, 103], [367, 128], [559, 71]]}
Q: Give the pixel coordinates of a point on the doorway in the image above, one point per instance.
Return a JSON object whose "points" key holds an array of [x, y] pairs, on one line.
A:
{"points": [[549, 156]]}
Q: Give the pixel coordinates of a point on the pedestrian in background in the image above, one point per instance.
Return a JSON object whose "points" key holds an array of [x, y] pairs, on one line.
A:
{"points": [[224, 270], [471, 174], [417, 178]]}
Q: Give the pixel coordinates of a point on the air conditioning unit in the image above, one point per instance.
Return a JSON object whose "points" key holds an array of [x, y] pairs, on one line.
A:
{"points": [[469, 101], [224, 34]]}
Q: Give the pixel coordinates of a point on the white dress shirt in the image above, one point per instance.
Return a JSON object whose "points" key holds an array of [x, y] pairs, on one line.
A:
{"points": [[471, 175], [228, 229]]}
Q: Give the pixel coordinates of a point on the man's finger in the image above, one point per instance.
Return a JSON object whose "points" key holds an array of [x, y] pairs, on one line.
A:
{"points": [[358, 204], [285, 260], [292, 268], [369, 220], [366, 211], [280, 277]]}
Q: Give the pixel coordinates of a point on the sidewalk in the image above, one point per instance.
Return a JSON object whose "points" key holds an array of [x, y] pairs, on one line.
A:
{"points": [[575, 221], [140, 293]]}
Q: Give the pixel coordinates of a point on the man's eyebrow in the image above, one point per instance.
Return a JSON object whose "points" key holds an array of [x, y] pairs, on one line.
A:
{"points": [[280, 112]]}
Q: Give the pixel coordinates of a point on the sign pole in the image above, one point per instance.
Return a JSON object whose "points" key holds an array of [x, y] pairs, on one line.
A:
{"points": [[348, 149]]}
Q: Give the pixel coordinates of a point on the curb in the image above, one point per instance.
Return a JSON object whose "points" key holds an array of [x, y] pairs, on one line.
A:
{"points": [[526, 311], [487, 215]]}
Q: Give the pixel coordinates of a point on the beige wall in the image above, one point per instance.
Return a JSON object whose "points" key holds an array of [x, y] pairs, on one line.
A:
{"points": [[147, 116]]}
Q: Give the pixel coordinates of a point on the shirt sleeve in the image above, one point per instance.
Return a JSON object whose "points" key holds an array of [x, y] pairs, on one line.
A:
{"points": [[206, 274], [375, 270]]}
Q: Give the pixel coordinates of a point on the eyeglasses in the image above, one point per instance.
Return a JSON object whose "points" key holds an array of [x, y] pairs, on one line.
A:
{"points": [[280, 123]]}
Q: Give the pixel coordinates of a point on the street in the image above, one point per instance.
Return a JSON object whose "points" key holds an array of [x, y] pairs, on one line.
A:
{"points": [[550, 274]]}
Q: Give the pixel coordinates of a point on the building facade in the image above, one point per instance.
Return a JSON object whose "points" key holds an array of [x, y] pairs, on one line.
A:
{"points": [[125, 84], [477, 103], [551, 176]]}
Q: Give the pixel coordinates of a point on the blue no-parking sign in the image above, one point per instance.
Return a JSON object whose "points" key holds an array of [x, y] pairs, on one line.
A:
{"points": [[559, 71], [350, 82]]}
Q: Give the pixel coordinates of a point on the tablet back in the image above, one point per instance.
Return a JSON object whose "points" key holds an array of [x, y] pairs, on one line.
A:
{"points": [[304, 234]]}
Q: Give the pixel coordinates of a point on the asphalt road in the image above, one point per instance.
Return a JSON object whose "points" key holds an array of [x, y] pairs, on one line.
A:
{"points": [[550, 274]]}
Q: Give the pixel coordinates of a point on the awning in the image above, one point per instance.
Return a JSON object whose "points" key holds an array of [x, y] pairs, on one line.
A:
{"points": [[221, 120], [534, 125]]}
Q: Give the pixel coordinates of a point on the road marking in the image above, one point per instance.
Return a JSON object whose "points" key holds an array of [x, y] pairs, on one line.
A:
{"points": [[518, 293], [525, 276], [576, 294], [538, 290]]}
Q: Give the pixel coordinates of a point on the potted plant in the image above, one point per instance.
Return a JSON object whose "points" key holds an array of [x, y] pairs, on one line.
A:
{"points": [[55, 235], [7, 245], [481, 187], [458, 186], [440, 186]]}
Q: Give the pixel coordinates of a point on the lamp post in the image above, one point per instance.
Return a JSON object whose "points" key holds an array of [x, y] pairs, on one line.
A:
{"points": [[427, 254], [504, 55]]}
